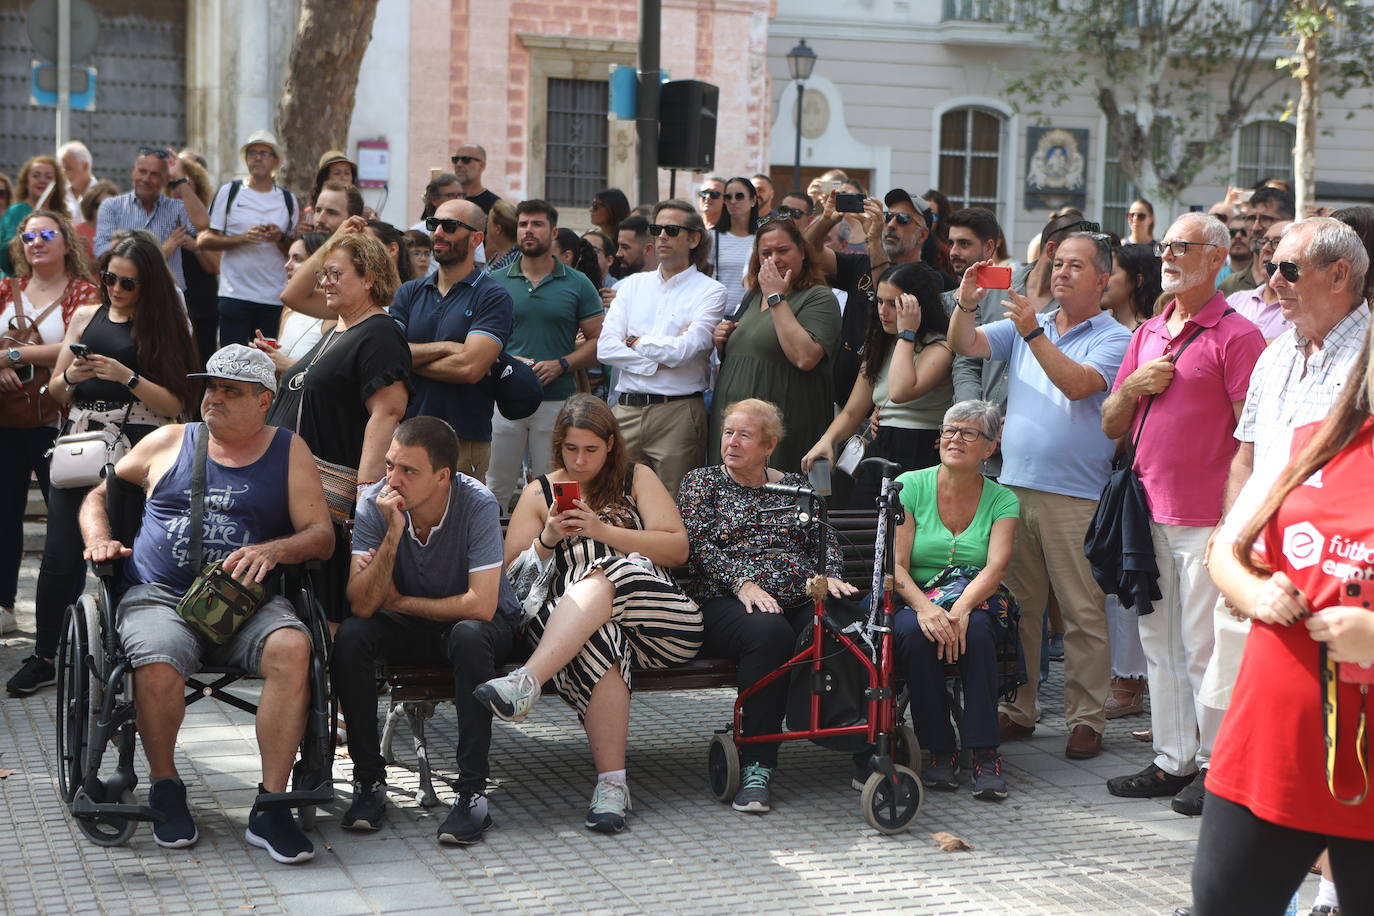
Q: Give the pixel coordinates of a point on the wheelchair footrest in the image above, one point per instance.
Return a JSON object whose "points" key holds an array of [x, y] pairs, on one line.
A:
{"points": [[84, 807], [302, 798]]}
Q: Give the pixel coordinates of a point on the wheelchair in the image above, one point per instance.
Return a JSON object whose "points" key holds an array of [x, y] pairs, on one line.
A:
{"points": [[96, 716]]}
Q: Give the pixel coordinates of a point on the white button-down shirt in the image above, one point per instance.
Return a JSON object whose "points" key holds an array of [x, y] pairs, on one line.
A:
{"points": [[673, 320]]}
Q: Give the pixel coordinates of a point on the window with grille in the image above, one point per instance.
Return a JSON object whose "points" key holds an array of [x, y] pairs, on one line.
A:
{"points": [[979, 10], [970, 155], [1265, 151], [576, 149], [1118, 191]]}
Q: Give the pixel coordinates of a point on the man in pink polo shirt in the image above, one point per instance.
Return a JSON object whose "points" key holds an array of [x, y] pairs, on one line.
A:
{"points": [[1184, 453]]}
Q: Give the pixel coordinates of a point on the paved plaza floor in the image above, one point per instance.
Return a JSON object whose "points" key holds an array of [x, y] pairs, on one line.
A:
{"points": [[1059, 845]]}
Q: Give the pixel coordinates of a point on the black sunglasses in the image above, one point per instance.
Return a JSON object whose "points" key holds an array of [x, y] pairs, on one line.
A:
{"points": [[903, 219], [47, 235], [782, 216], [448, 225], [656, 230], [737, 196], [713, 195], [128, 284], [159, 153], [463, 160], [1237, 231], [790, 213], [1290, 270]]}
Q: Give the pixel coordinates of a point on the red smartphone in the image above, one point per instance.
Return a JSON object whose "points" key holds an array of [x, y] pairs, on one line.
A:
{"points": [[1353, 594], [990, 277], [565, 492]]}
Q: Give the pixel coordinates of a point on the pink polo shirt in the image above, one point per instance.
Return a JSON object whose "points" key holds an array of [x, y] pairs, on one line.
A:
{"points": [[1186, 449]]}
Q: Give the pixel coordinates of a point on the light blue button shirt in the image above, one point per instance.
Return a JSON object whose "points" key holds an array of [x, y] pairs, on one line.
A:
{"points": [[1049, 442]]}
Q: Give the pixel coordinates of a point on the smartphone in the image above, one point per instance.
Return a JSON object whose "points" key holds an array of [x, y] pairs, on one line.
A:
{"points": [[81, 350], [849, 203], [991, 277], [565, 493], [269, 342], [1353, 594]]}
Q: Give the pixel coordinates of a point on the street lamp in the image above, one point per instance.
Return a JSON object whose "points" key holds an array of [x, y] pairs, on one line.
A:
{"points": [[801, 60]]}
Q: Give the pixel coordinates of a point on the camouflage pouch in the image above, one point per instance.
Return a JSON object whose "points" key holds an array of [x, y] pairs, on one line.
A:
{"points": [[217, 604]]}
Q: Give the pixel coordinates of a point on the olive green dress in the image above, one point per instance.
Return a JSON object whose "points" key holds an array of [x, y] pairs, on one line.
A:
{"points": [[754, 366]]}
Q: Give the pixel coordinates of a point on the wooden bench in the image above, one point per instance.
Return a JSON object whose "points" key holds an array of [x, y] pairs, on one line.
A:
{"points": [[416, 689]]}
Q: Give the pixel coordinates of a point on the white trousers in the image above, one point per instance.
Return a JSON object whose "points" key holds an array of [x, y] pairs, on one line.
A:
{"points": [[1123, 632], [510, 440], [1178, 643]]}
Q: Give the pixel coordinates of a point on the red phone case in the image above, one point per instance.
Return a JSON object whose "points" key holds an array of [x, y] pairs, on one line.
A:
{"points": [[994, 277], [565, 492], [1352, 595]]}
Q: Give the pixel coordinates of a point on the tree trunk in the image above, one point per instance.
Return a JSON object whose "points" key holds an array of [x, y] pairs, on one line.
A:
{"points": [[1305, 144], [321, 84]]}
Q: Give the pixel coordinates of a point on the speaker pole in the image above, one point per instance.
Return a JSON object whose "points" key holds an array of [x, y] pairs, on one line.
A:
{"points": [[672, 183], [646, 112]]}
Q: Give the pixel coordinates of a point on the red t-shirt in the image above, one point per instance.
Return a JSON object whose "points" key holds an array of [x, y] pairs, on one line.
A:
{"points": [[1270, 755]]}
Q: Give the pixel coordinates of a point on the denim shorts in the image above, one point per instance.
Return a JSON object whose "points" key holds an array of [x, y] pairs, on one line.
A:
{"points": [[151, 630]]}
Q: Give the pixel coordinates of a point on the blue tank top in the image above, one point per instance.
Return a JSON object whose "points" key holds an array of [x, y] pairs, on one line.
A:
{"points": [[247, 505]]}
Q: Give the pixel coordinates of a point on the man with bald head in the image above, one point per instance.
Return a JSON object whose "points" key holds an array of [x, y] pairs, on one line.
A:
{"points": [[457, 320]]}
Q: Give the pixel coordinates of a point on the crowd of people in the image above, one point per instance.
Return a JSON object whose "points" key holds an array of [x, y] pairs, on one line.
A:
{"points": [[683, 354]]}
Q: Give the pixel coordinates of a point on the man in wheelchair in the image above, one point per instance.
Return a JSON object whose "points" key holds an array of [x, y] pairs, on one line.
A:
{"points": [[263, 507]]}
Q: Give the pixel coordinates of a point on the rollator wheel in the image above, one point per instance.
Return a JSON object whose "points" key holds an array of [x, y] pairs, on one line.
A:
{"points": [[889, 804], [73, 702], [110, 831], [722, 767], [906, 749]]}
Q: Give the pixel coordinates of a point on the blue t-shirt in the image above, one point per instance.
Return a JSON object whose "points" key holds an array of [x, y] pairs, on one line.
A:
{"points": [[466, 540], [474, 305], [1050, 443]]}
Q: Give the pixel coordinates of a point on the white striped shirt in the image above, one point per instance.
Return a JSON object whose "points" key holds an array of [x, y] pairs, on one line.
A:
{"points": [[125, 212]]}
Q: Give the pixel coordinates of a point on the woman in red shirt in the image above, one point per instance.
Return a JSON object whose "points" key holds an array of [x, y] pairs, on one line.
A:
{"points": [[1274, 801]]}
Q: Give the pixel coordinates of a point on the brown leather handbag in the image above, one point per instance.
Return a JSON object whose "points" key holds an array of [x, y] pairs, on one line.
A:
{"points": [[29, 406]]}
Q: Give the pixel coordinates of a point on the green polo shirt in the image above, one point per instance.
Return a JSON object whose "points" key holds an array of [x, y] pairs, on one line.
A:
{"points": [[547, 316]]}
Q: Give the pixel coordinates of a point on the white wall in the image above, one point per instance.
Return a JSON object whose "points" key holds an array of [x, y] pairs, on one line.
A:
{"points": [[382, 109]]}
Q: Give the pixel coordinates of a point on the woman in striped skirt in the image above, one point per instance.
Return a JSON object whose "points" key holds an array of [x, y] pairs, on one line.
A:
{"points": [[611, 604]]}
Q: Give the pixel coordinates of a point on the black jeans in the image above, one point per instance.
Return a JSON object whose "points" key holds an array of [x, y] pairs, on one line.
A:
{"points": [[1249, 865], [239, 318], [474, 649], [758, 643], [925, 681], [22, 454]]}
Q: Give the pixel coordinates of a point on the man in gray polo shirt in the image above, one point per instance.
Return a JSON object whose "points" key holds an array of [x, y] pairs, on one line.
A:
{"points": [[426, 586], [1056, 459]]}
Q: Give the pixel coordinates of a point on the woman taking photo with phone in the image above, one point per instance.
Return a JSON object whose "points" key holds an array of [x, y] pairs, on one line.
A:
{"points": [[611, 604], [124, 363]]}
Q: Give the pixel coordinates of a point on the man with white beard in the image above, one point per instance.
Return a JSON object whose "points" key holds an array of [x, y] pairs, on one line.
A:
{"points": [[1189, 367]]}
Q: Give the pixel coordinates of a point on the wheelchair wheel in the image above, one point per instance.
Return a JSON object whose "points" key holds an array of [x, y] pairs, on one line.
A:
{"points": [[74, 700], [906, 749], [890, 804], [722, 767], [110, 831]]}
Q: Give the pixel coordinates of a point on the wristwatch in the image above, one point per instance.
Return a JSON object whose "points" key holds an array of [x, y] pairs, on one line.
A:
{"points": [[909, 336], [133, 381], [13, 355], [775, 299], [562, 361]]}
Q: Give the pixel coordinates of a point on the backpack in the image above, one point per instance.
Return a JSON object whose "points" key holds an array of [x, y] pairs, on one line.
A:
{"points": [[237, 185]]}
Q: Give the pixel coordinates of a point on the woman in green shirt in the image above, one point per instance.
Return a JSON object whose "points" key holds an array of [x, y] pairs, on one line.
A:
{"points": [[957, 536]]}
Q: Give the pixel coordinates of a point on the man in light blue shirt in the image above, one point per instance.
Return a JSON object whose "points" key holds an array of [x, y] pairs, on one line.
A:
{"points": [[1056, 459], [146, 207]]}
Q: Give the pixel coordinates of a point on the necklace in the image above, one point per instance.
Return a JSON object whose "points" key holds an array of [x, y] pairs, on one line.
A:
{"points": [[731, 475], [298, 380]]}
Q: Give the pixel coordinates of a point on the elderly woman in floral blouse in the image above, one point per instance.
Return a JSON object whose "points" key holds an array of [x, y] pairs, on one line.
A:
{"points": [[751, 562]]}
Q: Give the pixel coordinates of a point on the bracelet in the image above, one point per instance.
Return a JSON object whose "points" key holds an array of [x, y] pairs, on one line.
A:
{"points": [[1033, 334], [540, 539], [70, 383], [960, 306]]}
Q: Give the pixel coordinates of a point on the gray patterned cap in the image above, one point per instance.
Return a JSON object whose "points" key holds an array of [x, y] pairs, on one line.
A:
{"points": [[240, 364]]}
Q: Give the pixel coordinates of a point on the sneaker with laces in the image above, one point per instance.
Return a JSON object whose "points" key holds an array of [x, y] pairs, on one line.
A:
{"points": [[467, 820], [752, 797], [8, 622], [988, 782], [942, 772], [33, 675], [276, 830], [168, 798], [510, 697], [369, 806], [610, 804]]}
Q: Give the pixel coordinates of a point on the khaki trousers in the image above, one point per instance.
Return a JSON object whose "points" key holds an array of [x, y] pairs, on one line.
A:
{"points": [[474, 457], [1049, 553], [670, 438]]}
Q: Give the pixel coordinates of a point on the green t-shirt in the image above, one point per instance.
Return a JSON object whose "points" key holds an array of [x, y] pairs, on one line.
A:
{"points": [[934, 547], [547, 317]]}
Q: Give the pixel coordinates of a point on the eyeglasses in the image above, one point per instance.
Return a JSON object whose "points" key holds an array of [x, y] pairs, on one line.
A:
{"points": [[330, 275], [737, 196], [1290, 270], [1179, 247], [47, 235], [260, 154], [463, 160], [159, 153], [903, 219], [1237, 231], [709, 195], [1264, 240], [656, 230], [128, 284], [965, 433], [449, 226]]}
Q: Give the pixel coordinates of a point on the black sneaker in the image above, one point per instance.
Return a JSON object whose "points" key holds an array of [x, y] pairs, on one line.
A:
{"points": [[369, 806], [1189, 801], [33, 675], [942, 772], [988, 782], [276, 830], [467, 820], [168, 797]]}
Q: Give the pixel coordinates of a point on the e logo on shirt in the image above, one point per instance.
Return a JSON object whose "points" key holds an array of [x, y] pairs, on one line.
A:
{"points": [[1303, 545]]}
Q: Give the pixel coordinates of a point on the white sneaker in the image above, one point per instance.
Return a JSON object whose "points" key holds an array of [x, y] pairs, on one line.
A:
{"points": [[8, 623]]}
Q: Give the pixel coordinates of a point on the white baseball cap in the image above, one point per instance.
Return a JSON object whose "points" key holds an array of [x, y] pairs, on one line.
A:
{"points": [[240, 364]]}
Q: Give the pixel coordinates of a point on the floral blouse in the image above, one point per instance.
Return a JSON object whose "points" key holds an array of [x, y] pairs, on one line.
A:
{"points": [[746, 532]]}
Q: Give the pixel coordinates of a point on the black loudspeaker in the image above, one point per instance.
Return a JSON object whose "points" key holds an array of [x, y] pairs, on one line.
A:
{"points": [[687, 125]]}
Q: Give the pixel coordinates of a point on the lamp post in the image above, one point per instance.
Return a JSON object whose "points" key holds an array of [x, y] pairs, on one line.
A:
{"points": [[801, 60]]}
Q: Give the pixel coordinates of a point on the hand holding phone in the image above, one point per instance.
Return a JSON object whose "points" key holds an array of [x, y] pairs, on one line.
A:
{"points": [[992, 277], [565, 493], [81, 350], [1354, 594]]}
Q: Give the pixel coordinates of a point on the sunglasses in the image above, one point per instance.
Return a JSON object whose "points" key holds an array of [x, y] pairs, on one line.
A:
{"points": [[128, 284], [1290, 270], [737, 196], [710, 195], [1237, 231], [449, 226], [47, 235], [1179, 247], [780, 217], [1137, 216], [903, 219], [159, 153], [463, 160], [656, 230], [790, 213]]}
